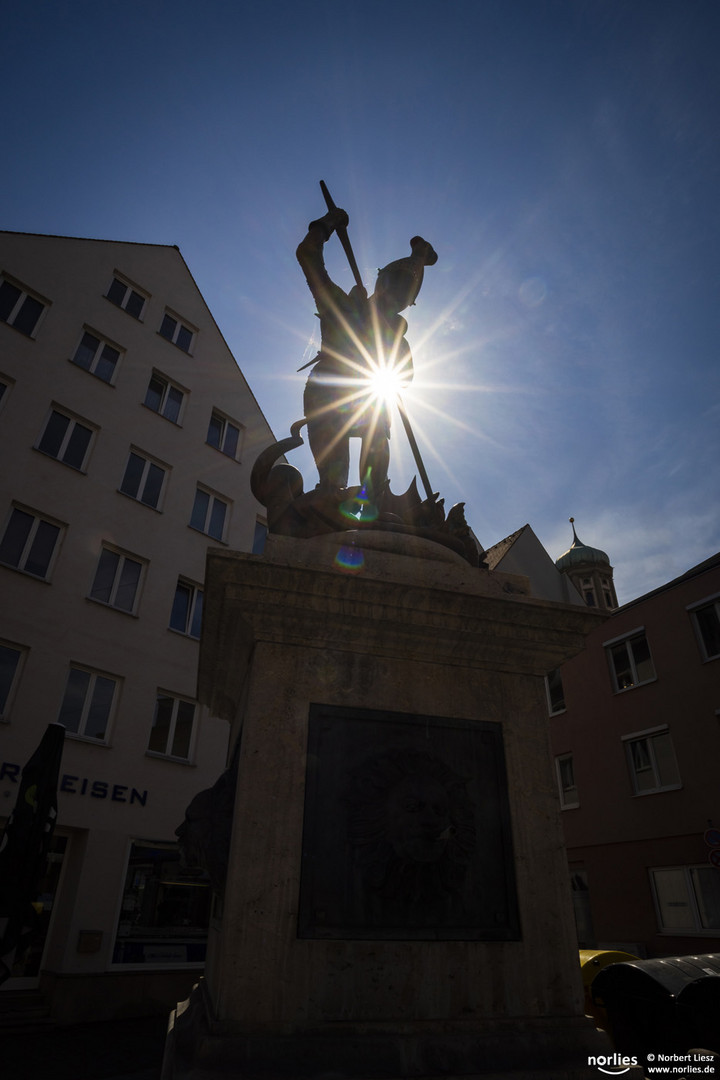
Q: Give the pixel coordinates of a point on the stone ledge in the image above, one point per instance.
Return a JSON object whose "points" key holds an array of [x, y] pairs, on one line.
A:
{"points": [[551, 1048], [471, 618]]}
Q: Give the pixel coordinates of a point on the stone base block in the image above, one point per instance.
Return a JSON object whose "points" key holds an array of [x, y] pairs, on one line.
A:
{"points": [[550, 1048]]}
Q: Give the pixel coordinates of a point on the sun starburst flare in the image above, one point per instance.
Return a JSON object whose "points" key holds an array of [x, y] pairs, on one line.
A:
{"points": [[384, 383], [375, 380]]}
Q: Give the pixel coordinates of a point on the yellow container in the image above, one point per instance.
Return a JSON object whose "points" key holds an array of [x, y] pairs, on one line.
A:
{"points": [[591, 962]]}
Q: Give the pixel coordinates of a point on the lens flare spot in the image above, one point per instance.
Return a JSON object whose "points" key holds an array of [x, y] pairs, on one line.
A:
{"points": [[360, 507], [350, 559], [532, 292]]}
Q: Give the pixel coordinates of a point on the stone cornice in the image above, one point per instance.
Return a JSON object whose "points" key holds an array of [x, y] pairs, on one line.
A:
{"points": [[486, 621]]}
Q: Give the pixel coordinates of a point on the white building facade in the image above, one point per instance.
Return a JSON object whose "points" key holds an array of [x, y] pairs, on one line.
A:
{"points": [[127, 435]]}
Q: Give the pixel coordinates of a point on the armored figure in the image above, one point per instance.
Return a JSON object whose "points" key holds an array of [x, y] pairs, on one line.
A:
{"points": [[360, 336], [364, 360]]}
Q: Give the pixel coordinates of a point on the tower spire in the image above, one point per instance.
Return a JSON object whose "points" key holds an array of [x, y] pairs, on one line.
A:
{"points": [[590, 571]]}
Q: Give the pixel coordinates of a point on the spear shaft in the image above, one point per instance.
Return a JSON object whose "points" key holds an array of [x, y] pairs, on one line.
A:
{"points": [[347, 248], [414, 447], [343, 237]]}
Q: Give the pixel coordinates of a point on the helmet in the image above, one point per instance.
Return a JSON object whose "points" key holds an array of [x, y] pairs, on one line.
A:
{"points": [[403, 278]]}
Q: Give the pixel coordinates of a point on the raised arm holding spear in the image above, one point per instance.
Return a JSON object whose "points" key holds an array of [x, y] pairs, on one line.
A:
{"points": [[358, 335]]}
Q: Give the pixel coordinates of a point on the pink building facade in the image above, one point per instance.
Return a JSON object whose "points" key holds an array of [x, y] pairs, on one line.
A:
{"points": [[635, 728]]}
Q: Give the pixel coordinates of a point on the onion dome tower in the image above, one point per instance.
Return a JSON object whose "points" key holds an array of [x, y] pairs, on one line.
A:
{"points": [[590, 571]]}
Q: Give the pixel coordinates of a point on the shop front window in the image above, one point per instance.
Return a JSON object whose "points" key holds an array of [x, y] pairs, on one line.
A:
{"points": [[165, 910]]}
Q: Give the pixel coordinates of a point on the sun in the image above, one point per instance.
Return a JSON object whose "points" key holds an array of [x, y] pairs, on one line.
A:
{"points": [[384, 383]]}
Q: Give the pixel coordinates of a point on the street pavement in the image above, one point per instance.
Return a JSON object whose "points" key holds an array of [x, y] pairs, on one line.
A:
{"points": [[115, 1050]]}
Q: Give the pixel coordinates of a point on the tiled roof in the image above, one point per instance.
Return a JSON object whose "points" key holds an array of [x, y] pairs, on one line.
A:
{"points": [[498, 551]]}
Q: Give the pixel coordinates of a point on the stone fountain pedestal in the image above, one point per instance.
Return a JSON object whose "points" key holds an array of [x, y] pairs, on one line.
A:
{"points": [[397, 901]]}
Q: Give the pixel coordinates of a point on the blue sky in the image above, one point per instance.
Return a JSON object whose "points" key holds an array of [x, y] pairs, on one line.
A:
{"points": [[562, 157]]}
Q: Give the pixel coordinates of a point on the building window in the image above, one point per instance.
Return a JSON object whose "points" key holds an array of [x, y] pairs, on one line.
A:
{"points": [[117, 580], [224, 435], [5, 384], [30, 543], [588, 592], [554, 692], [126, 297], [143, 480], [651, 760], [209, 514], [706, 617], [566, 781], [186, 614], [261, 532], [687, 898], [172, 727], [164, 398], [581, 908], [172, 329], [630, 661], [18, 308], [88, 703], [66, 440], [97, 356], [165, 910], [11, 658]]}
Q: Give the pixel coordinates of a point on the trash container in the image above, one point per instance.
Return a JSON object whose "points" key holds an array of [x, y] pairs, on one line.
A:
{"points": [[668, 1004], [699, 1004], [592, 962]]}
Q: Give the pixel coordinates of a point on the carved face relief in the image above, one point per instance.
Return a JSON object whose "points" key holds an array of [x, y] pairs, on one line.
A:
{"points": [[406, 829], [418, 819]]}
